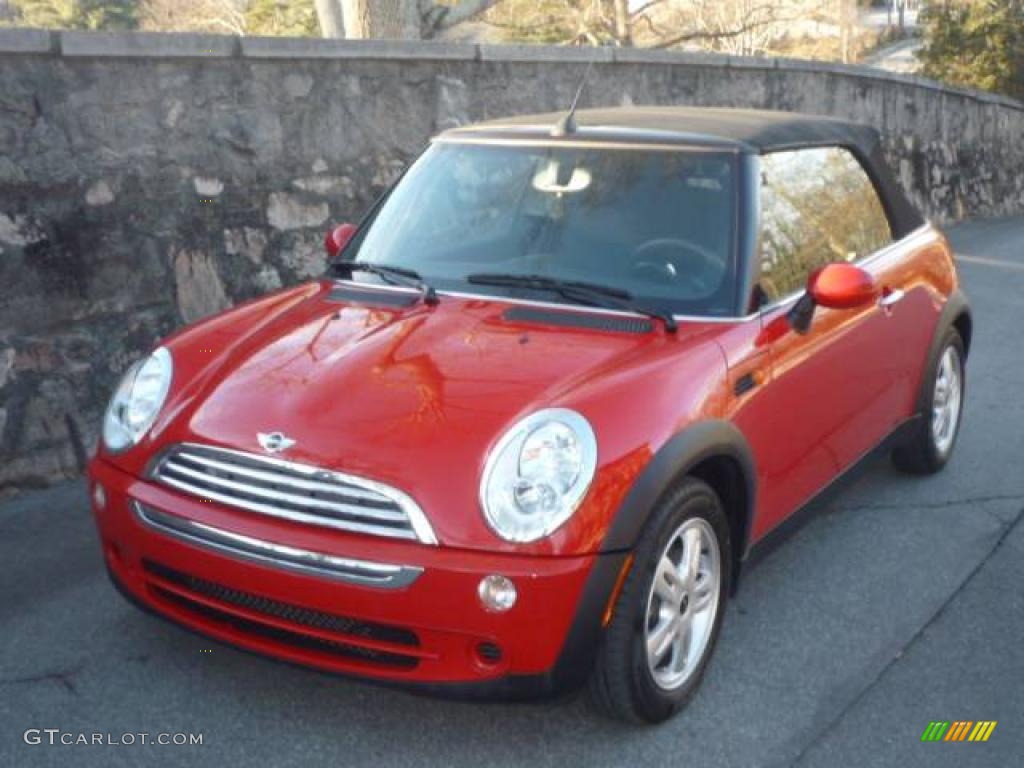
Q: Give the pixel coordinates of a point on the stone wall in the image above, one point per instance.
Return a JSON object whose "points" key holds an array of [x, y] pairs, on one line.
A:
{"points": [[148, 180]]}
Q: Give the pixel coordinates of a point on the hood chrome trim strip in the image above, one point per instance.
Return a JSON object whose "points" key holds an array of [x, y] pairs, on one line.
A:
{"points": [[239, 546]]}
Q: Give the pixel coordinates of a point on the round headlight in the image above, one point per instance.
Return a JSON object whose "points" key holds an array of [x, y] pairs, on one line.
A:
{"points": [[137, 401], [537, 474]]}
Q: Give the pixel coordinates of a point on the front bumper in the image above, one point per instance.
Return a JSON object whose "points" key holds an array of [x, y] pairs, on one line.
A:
{"points": [[432, 633]]}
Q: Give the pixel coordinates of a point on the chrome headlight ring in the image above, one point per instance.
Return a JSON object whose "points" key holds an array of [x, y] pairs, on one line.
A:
{"points": [[137, 401], [537, 474]]}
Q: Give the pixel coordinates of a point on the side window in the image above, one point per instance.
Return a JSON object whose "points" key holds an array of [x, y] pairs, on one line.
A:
{"points": [[817, 206]]}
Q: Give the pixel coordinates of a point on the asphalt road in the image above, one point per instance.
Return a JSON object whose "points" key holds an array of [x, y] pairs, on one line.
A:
{"points": [[902, 604]]}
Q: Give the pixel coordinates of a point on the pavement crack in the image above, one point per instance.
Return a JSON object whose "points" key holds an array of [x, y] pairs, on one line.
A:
{"points": [[63, 677], [914, 639]]}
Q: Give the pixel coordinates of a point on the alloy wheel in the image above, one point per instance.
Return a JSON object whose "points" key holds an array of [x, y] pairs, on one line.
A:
{"points": [[947, 400], [682, 603]]}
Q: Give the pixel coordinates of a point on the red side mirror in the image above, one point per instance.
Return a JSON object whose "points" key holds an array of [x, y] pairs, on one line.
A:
{"points": [[338, 238], [841, 286]]}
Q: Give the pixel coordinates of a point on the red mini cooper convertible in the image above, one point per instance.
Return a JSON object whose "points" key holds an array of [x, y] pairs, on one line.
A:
{"points": [[554, 392]]}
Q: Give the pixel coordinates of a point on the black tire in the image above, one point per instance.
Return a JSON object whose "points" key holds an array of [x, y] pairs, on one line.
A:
{"points": [[920, 454], [622, 685]]}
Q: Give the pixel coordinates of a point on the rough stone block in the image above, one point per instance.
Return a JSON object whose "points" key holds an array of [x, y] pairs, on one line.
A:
{"points": [[6, 364], [199, 288], [286, 211], [19, 229], [99, 194]]}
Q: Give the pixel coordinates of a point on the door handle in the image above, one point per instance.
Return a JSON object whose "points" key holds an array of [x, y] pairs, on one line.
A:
{"points": [[891, 297]]}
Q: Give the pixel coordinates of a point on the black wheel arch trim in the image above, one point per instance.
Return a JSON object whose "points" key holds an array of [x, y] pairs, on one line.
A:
{"points": [[956, 307], [680, 454]]}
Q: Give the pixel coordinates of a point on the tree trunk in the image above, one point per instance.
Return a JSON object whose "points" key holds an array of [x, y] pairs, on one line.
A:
{"points": [[328, 13], [381, 19], [847, 14], [623, 28]]}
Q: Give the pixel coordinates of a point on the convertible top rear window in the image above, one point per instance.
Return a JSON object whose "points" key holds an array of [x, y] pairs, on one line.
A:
{"points": [[659, 224]]}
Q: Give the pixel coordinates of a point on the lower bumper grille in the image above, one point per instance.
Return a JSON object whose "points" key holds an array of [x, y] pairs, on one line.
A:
{"points": [[284, 623]]}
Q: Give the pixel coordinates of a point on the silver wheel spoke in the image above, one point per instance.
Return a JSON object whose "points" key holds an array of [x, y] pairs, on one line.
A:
{"points": [[691, 557], [702, 597], [681, 645], [947, 399], [660, 640], [667, 584]]}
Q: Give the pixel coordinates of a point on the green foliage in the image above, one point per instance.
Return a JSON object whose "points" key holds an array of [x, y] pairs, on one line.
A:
{"points": [[76, 14], [282, 17], [976, 43]]}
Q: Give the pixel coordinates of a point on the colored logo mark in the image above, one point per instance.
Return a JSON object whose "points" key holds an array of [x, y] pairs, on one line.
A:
{"points": [[958, 730]]}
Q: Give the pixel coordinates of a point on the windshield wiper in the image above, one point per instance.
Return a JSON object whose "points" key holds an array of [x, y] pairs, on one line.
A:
{"points": [[393, 275], [579, 291]]}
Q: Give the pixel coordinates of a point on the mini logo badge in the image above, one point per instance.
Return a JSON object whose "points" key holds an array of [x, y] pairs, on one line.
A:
{"points": [[275, 442]]}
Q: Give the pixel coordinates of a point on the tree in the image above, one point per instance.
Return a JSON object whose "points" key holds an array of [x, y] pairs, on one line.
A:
{"points": [[623, 23], [976, 43], [76, 14], [847, 20]]}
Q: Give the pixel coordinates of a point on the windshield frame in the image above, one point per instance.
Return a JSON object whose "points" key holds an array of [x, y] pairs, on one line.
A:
{"points": [[739, 244]]}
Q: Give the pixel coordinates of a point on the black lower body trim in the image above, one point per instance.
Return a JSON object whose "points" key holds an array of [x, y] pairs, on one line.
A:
{"points": [[792, 524]]}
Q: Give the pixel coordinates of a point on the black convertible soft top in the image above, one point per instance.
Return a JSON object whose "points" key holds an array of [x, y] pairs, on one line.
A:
{"points": [[744, 130]]}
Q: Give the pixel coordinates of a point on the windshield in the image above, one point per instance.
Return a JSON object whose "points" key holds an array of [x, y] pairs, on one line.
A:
{"points": [[657, 224]]}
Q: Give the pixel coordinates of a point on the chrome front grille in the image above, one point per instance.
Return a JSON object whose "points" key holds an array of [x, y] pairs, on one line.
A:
{"points": [[296, 492]]}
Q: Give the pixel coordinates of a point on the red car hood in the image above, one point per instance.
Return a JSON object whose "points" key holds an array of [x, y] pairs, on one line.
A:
{"points": [[412, 397]]}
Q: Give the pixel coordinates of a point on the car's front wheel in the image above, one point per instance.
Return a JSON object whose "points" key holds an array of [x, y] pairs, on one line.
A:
{"points": [[667, 617], [942, 400]]}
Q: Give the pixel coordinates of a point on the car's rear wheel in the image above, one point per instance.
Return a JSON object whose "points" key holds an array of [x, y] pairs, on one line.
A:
{"points": [[667, 617], [935, 433]]}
